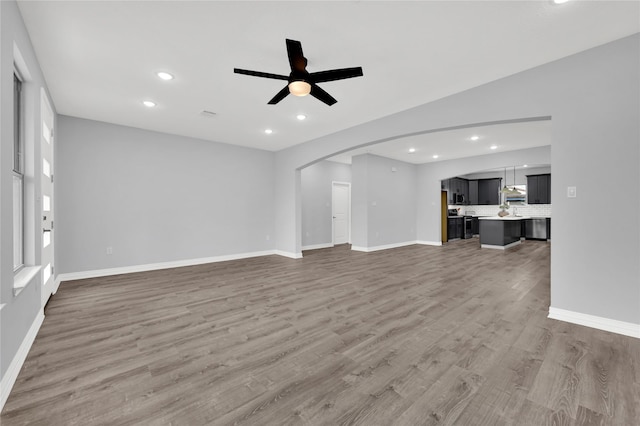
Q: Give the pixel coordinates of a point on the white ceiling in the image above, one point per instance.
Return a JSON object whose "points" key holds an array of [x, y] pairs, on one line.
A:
{"points": [[458, 143], [100, 59]]}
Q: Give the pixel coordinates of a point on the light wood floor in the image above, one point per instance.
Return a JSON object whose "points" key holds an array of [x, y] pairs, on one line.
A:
{"points": [[411, 336]]}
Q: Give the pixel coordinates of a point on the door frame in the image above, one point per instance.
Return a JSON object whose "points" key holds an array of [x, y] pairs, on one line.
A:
{"points": [[348, 185], [46, 114], [444, 225]]}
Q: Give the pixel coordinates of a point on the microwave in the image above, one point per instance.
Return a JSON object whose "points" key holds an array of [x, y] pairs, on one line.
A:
{"points": [[459, 198]]}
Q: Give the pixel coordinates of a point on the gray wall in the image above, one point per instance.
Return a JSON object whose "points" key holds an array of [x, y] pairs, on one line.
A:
{"points": [[155, 197], [316, 191], [593, 100], [18, 312], [384, 193]]}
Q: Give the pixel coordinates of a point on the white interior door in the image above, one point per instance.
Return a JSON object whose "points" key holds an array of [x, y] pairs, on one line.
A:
{"points": [[341, 204], [46, 138]]}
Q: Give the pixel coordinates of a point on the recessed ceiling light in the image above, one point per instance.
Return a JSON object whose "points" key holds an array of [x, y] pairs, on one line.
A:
{"points": [[475, 138], [493, 147], [559, 1], [164, 75], [412, 150], [525, 165], [435, 155], [301, 117], [149, 104], [268, 131]]}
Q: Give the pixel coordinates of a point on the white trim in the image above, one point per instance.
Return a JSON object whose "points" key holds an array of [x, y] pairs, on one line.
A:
{"points": [[288, 254], [317, 246], [10, 376], [56, 284], [24, 277], [155, 266], [606, 324], [429, 243], [359, 248], [20, 65], [492, 246], [383, 247]]}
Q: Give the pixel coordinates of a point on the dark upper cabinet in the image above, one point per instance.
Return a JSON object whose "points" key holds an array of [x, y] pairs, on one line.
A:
{"points": [[452, 190], [456, 187], [539, 189], [489, 191], [473, 192], [465, 191]]}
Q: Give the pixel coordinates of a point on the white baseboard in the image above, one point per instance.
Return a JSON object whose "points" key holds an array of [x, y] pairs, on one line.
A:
{"points": [[383, 247], [429, 243], [606, 324], [317, 246], [56, 284], [155, 266], [10, 376], [288, 254]]}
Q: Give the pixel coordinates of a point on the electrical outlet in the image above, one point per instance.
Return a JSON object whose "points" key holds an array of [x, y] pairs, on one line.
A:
{"points": [[109, 250]]}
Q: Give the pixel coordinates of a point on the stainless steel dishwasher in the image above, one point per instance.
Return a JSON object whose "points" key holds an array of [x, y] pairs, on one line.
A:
{"points": [[536, 228]]}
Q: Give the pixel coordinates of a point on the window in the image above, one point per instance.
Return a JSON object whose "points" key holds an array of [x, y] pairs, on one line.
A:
{"points": [[18, 176]]}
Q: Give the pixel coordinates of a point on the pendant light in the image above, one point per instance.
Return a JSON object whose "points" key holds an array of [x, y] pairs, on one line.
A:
{"points": [[505, 188], [510, 191], [514, 191]]}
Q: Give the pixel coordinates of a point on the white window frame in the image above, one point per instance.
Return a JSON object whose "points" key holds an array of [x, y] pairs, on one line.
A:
{"points": [[18, 175]]}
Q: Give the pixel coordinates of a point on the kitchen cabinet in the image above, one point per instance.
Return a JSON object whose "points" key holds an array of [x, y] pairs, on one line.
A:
{"points": [[452, 192], [458, 187], [473, 192], [539, 189], [475, 226], [465, 191], [489, 191], [500, 233], [548, 229], [455, 227]]}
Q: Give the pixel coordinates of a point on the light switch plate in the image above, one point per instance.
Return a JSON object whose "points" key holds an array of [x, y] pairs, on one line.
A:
{"points": [[571, 191]]}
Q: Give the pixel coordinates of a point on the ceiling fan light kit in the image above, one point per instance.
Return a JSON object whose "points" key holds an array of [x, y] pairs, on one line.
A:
{"points": [[299, 88], [300, 81]]}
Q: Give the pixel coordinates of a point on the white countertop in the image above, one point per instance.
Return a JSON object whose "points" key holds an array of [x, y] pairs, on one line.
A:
{"points": [[504, 217]]}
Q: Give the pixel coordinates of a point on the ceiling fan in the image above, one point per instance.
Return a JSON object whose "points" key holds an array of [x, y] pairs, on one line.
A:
{"points": [[301, 81]]}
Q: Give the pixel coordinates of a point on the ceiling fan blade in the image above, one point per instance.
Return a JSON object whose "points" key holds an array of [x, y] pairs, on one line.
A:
{"points": [[321, 95], [296, 59], [279, 96], [260, 74], [340, 74]]}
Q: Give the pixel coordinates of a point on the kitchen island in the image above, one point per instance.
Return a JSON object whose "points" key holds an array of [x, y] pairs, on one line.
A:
{"points": [[500, 232]]}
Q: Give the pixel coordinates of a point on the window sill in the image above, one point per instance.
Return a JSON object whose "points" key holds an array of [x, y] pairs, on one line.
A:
{"points": [[22, 279]]}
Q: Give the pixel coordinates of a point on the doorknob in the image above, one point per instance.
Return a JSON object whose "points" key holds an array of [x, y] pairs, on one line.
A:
{"points": [[334, 217]]}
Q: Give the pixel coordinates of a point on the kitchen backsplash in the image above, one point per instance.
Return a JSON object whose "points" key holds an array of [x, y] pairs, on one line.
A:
{"points": [[534, 210]]}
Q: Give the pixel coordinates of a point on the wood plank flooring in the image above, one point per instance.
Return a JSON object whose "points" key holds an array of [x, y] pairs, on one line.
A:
{"points": [[419, 335]]}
